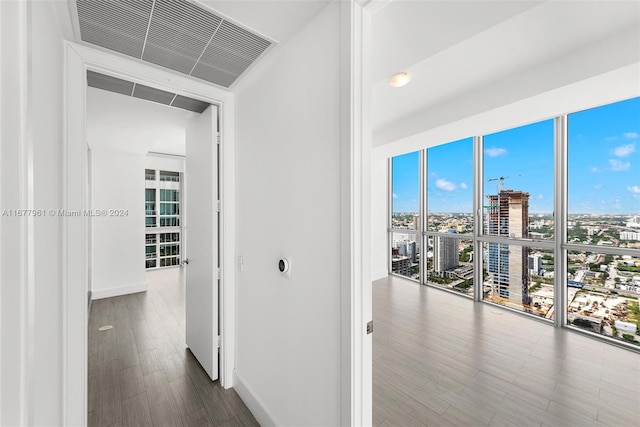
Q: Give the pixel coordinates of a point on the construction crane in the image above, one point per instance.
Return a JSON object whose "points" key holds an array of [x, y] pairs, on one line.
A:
{"points": [[501, 179]]}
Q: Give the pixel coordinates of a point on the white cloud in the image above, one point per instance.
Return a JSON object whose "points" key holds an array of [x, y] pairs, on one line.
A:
{"points": [[463, 185], [635, 189], [624, 150], [395, 196], [631, 135], [618, 165], [594, 169], [445, 185], [597, 187], [540, 197], [495, 152]]}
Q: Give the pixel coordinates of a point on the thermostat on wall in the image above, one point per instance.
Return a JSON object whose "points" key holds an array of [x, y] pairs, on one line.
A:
{"points": [[284, 266]]}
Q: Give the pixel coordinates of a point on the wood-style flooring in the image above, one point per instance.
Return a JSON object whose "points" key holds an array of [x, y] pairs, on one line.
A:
{"points": [[142, 374], [442, 360]]}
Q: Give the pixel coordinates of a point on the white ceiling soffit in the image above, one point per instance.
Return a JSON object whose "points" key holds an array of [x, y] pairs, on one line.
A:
{"points": [[172, 33], [124, 87], [482, 46]]}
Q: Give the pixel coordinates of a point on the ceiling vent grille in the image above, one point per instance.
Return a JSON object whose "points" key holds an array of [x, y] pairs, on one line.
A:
{"points": [[124, 87], [174, 34]]}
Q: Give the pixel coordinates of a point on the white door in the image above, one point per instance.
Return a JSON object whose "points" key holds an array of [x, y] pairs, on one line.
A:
{"points": [[201, 239]]}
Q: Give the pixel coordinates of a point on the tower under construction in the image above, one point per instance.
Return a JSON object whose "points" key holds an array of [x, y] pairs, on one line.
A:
{"points": [[508, 216]]}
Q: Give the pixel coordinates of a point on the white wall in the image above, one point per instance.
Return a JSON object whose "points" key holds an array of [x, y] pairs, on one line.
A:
{"points": [[127, 124], [12, 285], [164, 162], [47, 104], [379, 223], [288, 186], [31, 155], [118, 241]]}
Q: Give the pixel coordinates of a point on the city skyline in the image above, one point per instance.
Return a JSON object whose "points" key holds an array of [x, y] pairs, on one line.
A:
{"points": [[603, 163]]}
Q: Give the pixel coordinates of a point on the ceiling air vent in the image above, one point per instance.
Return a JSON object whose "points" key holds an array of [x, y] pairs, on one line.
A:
{"points": [[174, 34], [124, 87]]}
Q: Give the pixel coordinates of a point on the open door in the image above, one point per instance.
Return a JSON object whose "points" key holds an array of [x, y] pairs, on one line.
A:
{"points": [[201, 238]]}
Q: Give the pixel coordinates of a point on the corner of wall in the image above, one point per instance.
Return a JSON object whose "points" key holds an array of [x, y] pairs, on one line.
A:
{"points": [[118, 291], [253, 402]]}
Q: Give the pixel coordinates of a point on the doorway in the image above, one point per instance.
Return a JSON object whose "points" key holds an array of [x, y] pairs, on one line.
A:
{"points": [[75, 263]]}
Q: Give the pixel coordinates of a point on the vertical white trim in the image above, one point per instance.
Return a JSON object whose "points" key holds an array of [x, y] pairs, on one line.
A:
{"points": [[74, 242], [478, 188], [16, 365], [560, 219], [226, 182], [28, 223], [79, 58], [355, 201]]}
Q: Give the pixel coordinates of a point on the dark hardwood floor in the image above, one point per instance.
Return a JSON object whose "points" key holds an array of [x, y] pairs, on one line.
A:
{"points": [[140, 371], [441, 360]]}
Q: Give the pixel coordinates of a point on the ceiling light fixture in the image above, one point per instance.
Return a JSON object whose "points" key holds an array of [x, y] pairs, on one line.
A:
{"points": [[400, 79]]}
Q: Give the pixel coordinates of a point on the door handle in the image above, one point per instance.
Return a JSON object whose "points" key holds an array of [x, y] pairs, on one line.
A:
{"points": [[185, 261]]}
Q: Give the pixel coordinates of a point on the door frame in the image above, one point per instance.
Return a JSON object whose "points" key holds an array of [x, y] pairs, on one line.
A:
{"points": [[75, 237]]}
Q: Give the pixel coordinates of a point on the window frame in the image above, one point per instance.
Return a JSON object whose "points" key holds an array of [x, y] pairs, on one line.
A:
{"points": [[558, 245]]}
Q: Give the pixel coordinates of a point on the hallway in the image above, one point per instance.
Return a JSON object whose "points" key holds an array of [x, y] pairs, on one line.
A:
{"points": [[140, 371]]}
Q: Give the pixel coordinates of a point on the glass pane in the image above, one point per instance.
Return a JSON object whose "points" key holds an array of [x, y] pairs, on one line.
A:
{"points": [[169, 176], [450, 189], [450, 263], [405, 255], [150, 194], [604, 180], [603, 294], [405, 191], [519, 277], [518, 182]]}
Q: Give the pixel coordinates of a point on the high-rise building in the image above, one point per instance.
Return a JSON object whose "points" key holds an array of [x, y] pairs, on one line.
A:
{"points": [[535, 264], [400, 264], [445, 254], [508, 216]]}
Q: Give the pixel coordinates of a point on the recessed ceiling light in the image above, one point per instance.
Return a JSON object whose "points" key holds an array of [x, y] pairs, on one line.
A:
{"points": [[400, 79]]}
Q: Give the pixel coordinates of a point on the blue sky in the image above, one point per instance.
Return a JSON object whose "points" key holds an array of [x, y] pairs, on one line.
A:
{"points": [[604, 165]]}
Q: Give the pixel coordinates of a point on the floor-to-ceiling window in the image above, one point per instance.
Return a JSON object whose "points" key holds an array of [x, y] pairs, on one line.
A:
{"points": [[603, 220], [517, 207], [449, 207], [545, 217], [162, 218], [405, 224]]}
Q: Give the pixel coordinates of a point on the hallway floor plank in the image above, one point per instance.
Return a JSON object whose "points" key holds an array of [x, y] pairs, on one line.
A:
{"points": [[141, 372]]}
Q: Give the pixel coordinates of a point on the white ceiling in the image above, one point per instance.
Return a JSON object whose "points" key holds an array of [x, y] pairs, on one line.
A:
{"points": [[454, 48], [278, 20]]}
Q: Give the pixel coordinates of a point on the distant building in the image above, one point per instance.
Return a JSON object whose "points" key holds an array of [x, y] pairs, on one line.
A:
{"points": [[629, 235], [416, 222], [508, 216], [445, 254], [634, 222], [409, 249], [535, 264], [400, 264]]}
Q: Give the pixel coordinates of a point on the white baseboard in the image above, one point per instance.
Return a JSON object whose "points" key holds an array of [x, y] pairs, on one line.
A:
{"points": [[120, 290], [377, 275], [253, 402]]}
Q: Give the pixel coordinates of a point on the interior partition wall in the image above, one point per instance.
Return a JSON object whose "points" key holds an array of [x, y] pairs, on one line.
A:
{"points": [[542, 219]]}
